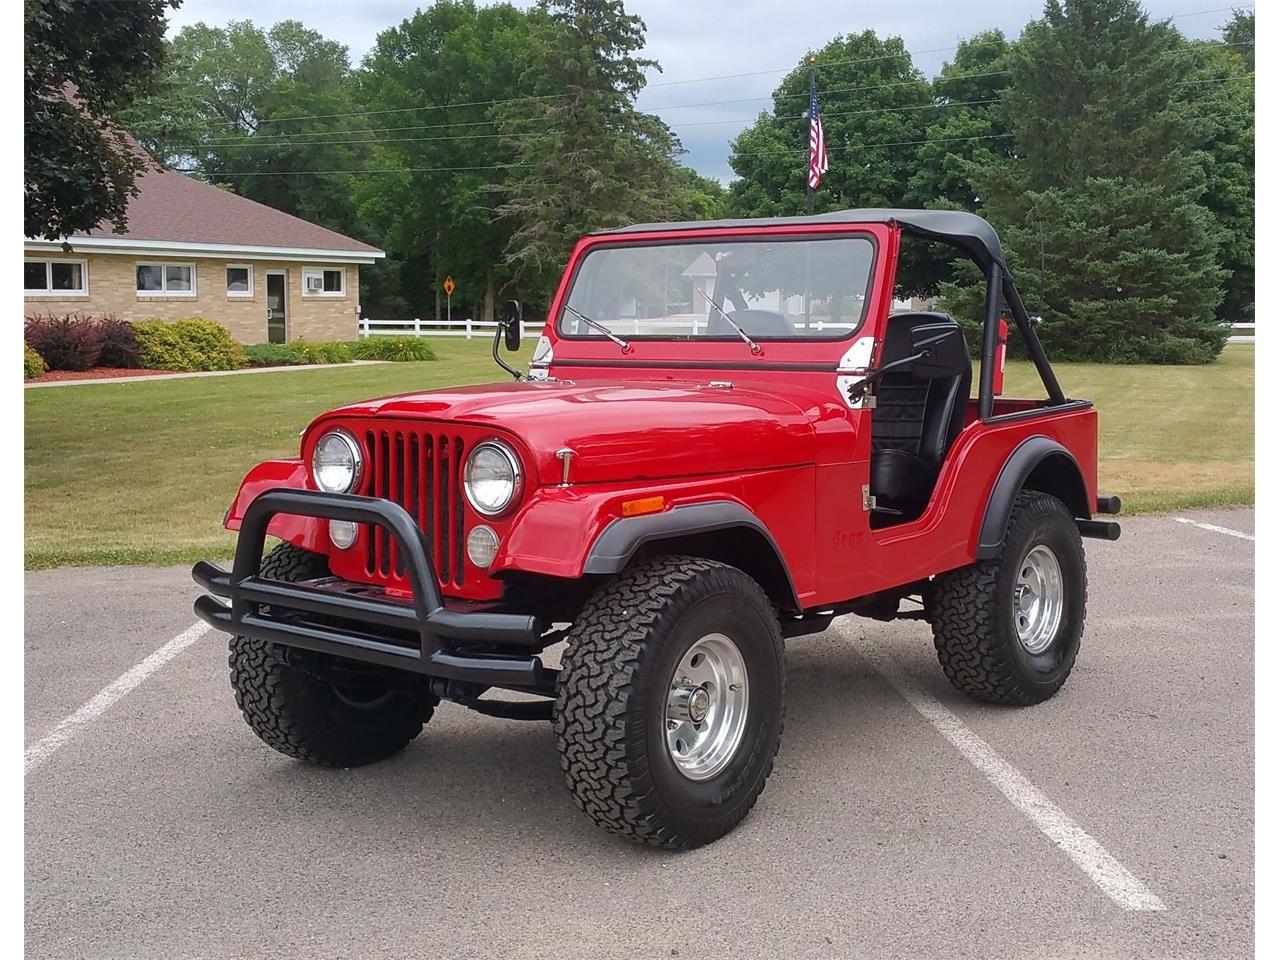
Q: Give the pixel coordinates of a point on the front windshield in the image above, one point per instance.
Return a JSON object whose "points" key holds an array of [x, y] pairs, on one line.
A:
{"points": [[776, 289]]}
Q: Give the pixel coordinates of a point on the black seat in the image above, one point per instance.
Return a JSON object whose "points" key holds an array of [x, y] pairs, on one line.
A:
{"points": [[914, 422]]}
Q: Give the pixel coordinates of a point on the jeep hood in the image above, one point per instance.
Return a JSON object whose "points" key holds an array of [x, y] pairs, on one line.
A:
{"points": [[620, 430]]}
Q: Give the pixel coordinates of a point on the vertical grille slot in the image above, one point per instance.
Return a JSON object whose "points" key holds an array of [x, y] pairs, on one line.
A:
{"points": [[421, 472], [457, 512]]}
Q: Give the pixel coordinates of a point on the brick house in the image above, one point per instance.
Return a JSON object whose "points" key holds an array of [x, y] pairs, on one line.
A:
{"points": [[193, 250]]}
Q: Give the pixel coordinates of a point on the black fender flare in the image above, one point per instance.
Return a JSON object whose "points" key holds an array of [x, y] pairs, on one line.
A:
{"points": [[619, 541], [1024, 459]]}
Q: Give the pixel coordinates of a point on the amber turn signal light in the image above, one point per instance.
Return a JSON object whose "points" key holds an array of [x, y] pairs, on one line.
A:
{"points": [[635, 508]]}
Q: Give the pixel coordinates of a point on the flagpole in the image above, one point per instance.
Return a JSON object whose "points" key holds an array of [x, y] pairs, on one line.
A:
{"points": [[808, 207]]}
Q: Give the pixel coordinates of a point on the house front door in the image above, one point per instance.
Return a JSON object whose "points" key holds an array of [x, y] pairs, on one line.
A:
{"points": [[277, 321]]}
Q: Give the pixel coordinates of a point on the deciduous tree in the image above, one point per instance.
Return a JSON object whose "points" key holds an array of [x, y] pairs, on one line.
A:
{"points": [[84, 62]]}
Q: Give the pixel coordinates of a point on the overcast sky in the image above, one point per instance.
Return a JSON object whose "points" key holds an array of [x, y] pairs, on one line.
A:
{"points": [[696, 39]]}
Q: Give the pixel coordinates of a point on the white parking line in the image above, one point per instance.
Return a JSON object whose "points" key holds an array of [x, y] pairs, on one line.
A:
{"points": [[46, 746], [1126, 890], [1215, 528]]}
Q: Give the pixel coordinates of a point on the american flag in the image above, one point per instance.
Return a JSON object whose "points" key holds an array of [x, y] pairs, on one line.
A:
{"points": [[817, 143]]}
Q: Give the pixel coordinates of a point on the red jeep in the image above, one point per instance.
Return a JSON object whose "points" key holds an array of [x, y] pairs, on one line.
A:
{"points": [[727, 438]]}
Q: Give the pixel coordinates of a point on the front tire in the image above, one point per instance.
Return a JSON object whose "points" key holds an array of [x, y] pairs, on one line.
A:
{"points": [[670, 706], [310, 719], [1008, 630]]}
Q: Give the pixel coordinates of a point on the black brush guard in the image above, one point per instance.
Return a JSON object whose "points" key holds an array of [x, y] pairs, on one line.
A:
{"points": [[301, 614]]}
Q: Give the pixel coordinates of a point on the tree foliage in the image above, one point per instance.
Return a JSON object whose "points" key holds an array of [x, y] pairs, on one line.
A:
{"points": [[874, 105], [969, 130], [1107, 167], [438, 75], [482, 141], [84, 63]]}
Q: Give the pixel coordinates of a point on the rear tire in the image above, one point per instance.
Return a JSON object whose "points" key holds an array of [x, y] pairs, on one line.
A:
{"points": [[1008, 630], [310, 719], [638, 655]]}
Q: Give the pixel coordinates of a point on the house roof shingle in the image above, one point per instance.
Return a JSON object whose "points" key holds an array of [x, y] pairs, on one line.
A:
{"points": [[174, 208]]}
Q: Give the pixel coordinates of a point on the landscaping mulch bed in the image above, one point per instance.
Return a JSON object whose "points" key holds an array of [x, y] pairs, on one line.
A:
{"points": [[99, 373]]}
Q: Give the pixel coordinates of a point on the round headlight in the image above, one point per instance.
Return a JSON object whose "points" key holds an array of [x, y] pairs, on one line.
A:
{"points": [[491, 478], [336, 463]]}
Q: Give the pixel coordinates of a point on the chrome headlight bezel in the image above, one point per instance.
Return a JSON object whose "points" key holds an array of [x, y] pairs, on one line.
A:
{"points": [[357, 460], [517, 478]]}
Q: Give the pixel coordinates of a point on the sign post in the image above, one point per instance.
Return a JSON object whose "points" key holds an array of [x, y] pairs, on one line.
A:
{"points": [[449, 287]]}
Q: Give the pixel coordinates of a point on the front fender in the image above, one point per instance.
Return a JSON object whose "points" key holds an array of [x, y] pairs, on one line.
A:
{"points": [[304, 532], [569, 532]]}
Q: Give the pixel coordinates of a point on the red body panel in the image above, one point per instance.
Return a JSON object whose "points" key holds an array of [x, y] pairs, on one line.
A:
{"points": [[692, 421]]}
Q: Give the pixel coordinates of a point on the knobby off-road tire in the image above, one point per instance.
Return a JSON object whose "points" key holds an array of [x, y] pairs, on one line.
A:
{"points": [[310, 719], [976, 619], [627, 651]]}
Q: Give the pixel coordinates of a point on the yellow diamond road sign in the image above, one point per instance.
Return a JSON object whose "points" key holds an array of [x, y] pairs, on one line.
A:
{"points": [[449, 286]]}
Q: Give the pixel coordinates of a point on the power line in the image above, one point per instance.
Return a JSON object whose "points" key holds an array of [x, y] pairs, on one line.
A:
{"points": [[300, 173], [286, 138], [730, 76], [260, 142], [491, 136], [509, 166]]}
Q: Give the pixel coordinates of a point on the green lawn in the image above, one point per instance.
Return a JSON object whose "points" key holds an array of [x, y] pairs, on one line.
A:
{"points": [[142, 472]]}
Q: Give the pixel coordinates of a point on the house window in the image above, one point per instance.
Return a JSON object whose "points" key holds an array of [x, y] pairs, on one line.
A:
{"points": [[55, 277], [239, 280], [324, 283], [167, 279]]}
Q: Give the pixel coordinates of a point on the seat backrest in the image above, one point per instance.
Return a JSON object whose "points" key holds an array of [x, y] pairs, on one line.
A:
{"points": [[757, 323], [921, 417]]}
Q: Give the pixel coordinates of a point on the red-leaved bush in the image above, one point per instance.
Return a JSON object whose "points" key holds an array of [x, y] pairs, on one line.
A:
{"points": [[69, 342], [119, 344]]}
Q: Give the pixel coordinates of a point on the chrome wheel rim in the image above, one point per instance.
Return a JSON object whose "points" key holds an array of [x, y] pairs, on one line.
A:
{"points": [[706, 711], [1038, 599]]}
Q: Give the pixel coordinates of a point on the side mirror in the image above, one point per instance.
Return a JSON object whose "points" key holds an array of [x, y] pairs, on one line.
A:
{"points": [[944, 351], [512, 314]]}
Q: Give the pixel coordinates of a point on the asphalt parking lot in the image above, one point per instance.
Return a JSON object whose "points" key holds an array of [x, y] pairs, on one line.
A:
{"points": [[894, 825]]}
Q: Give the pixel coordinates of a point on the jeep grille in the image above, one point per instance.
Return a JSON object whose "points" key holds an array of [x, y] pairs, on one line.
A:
{"points": [[421, 471]]}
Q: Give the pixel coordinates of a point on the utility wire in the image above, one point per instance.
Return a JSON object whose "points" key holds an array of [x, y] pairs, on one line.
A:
{"points": [[508, 166], [264, 140], [560, 96], [491, 136]]}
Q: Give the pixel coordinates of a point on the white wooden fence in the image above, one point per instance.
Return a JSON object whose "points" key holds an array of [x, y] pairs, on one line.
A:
{"points": [[439, 328], [1250, 337]]}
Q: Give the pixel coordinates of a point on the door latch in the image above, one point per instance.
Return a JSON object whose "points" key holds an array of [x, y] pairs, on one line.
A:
{"points": [[868, 501]]}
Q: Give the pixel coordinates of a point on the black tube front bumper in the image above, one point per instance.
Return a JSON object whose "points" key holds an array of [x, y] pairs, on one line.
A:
{"points": [[422, 636]]}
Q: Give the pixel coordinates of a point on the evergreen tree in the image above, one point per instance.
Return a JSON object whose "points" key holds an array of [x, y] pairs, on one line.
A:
{"points": [[585, 158], [1105, 163]]}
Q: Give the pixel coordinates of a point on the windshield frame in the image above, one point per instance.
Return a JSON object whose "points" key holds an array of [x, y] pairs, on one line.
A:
{"points": [[622, 241]]}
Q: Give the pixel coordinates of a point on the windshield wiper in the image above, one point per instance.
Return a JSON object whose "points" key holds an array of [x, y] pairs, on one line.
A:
{"points": [[597, 325], [755, 347]]}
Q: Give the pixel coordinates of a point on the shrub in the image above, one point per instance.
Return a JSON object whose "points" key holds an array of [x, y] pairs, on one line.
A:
{"points": [[1180, 350], [273, 355], [323, 351], [119, 343], [32, 365], [189, 345], [69, 342], [393, 348]]}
